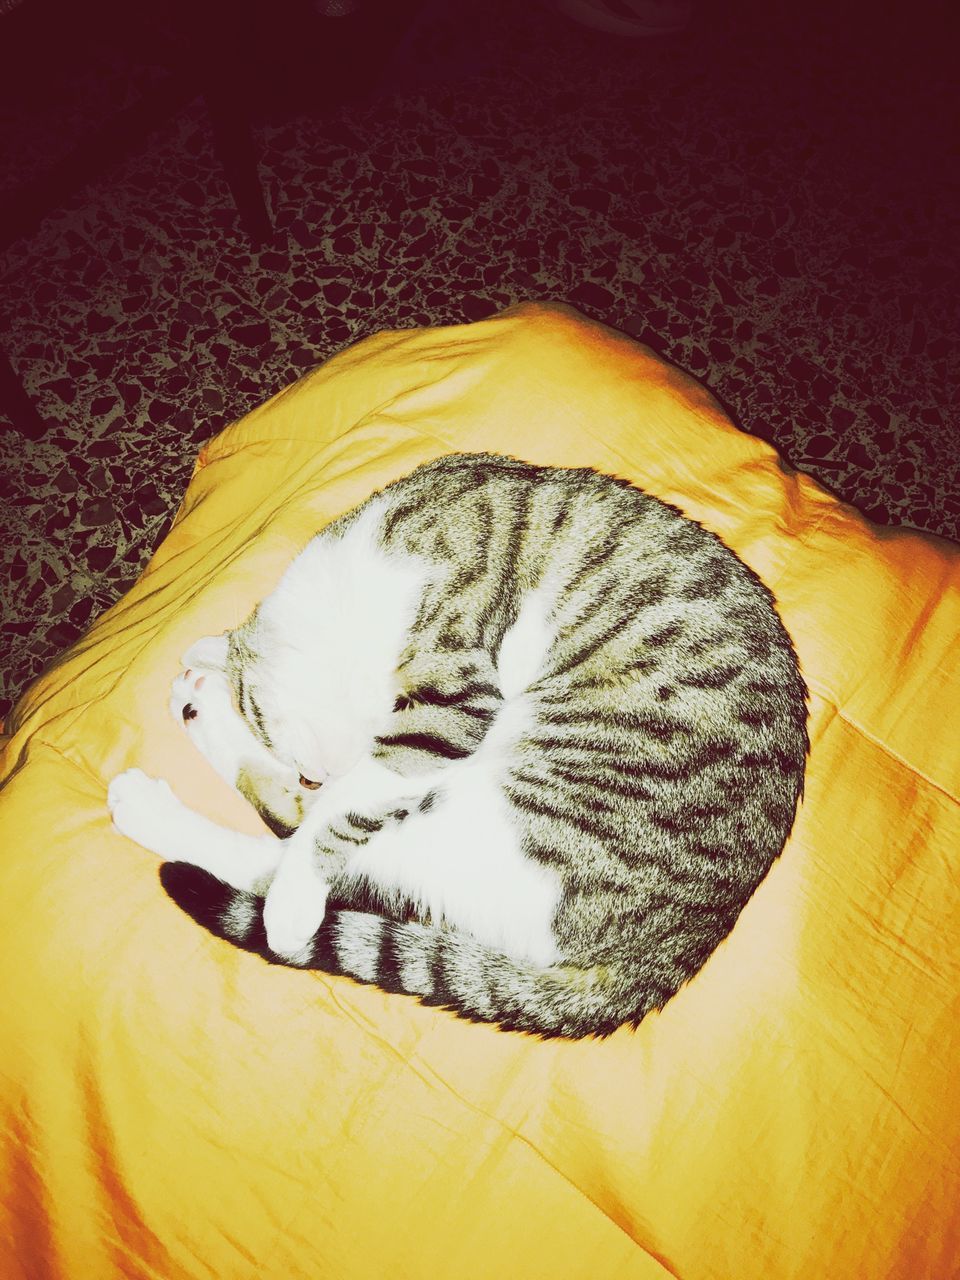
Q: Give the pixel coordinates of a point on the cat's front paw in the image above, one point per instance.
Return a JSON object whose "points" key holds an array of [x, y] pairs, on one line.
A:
{"points": [[294, 909], [202, 702], [144, 809]]}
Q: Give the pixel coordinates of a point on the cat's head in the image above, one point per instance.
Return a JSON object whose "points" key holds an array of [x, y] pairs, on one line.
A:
{"points": [[314, 667]]}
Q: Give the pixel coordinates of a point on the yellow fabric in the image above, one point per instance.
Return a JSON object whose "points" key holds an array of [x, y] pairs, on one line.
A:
{"points": [[172, 1108]]}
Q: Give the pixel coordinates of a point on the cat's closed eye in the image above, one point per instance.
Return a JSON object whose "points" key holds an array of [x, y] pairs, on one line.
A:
{"points": [[310, 784]]}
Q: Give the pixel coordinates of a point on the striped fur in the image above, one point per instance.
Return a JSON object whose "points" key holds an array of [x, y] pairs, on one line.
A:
{"points": [[596, 681]]}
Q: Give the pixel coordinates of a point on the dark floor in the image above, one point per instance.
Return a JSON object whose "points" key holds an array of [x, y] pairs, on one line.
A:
{"points": [[770, 199]]}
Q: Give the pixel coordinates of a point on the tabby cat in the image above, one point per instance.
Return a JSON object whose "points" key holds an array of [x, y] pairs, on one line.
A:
{"points": [[526, 738]]}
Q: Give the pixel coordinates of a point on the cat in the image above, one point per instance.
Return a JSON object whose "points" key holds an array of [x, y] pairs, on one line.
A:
{"points": [[526, 740]]}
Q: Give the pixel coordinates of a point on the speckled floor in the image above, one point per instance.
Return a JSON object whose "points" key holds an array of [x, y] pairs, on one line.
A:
{"points": [[770, 199]]}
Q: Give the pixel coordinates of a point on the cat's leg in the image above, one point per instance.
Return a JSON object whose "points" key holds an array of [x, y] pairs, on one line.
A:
{"points": [[146, 810], [297, 898], [296, 901], [202, 702]]}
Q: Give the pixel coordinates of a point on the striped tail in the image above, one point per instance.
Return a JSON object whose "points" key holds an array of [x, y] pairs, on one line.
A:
{"points": [[440, 966]]}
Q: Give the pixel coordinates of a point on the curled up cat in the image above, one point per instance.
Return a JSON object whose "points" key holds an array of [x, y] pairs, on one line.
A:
{"points": [[526, 740]]}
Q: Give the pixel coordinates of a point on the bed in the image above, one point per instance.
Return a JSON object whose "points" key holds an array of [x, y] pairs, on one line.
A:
{"points": [[176, 1109]]}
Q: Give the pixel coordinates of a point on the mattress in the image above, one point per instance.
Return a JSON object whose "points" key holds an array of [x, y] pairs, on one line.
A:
{"points": [[173, 1108]]}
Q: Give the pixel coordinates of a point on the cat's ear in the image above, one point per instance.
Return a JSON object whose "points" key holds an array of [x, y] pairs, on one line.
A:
{"points": [[209, 652]]}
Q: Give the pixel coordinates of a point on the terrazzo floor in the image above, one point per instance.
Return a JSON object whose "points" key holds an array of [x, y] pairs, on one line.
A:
{"points": [[770, 199]]}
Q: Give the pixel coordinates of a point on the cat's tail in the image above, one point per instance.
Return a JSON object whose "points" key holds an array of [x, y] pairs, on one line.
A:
{"points": [[440, 966]]}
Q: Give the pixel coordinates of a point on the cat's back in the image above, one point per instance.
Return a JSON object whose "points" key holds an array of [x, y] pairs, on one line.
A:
{"points": [[593, 545], [649, 622]]}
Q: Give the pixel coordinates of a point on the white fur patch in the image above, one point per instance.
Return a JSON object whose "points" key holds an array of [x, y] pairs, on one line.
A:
{"points": [[358, 943], [414, 962], [462, 860], [333, 631], [240, 916], [525, 645], [296, 901]]}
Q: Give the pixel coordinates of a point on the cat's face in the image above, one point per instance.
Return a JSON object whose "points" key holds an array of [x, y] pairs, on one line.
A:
{"points": [[316, 693], [311, 713], [314, 668]]}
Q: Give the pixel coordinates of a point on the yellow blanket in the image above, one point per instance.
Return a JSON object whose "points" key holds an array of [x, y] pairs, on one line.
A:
{"points": [[175, 1109]]}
